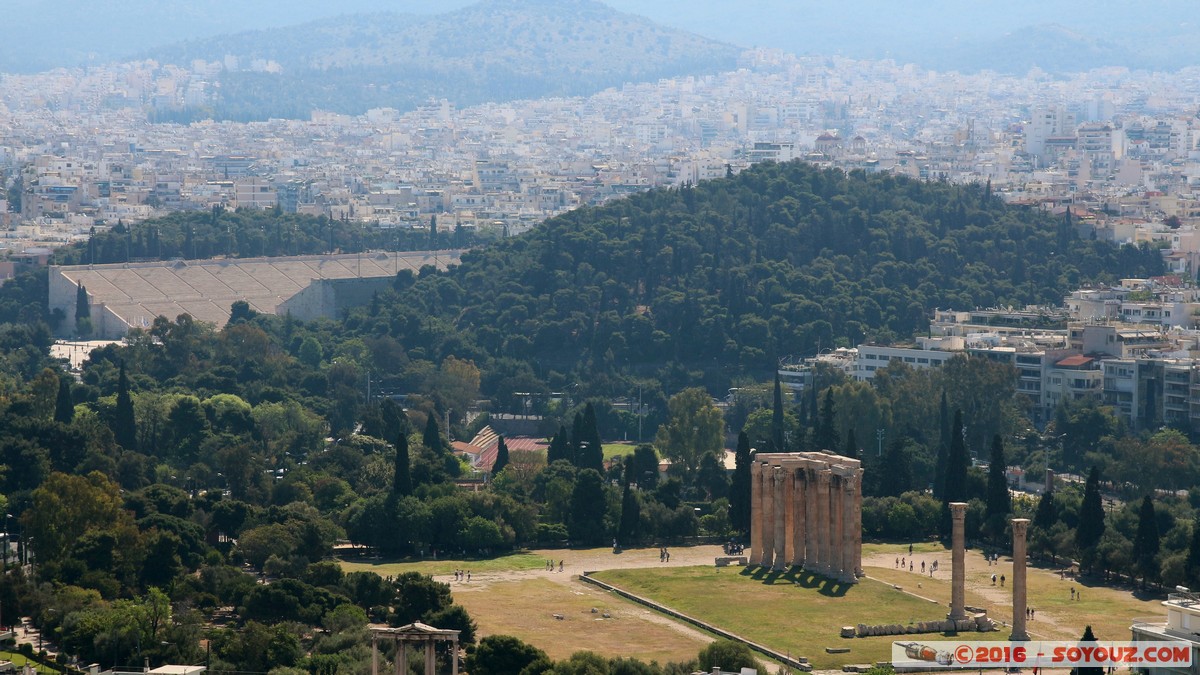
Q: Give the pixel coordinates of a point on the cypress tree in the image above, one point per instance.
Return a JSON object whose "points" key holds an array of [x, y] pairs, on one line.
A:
{"points": [[432, 437], [999, 501], [943, 454], [813, 421], [433, 231], [777, 417], [402, 475], [1091, 513], [955, 489], [1046, 514], [125, 430], [501, 457], [83, 310], [739, 491], [1146, 541], [631, 509], [851, 450], [590, 448], [1088, 636], [559, 448], [897, 474], [64, 409], [576, 444], [1192, 566], [827, 436]]}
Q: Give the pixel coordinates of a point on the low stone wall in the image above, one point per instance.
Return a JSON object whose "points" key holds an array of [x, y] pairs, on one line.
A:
{"points": [[979, 623]]}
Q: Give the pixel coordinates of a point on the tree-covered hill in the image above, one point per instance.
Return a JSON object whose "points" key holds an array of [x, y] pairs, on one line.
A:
{"points": [[708, 282], [489, 51]]}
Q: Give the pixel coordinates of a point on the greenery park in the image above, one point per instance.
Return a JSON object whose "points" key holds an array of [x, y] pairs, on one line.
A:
{"points": [[179, 497]]}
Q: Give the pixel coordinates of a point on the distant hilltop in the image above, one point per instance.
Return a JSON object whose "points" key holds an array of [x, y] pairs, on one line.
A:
{"points": [[492, 51]]}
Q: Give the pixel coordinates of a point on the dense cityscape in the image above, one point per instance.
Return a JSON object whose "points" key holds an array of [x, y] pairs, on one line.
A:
{"points": [[756, 362]]}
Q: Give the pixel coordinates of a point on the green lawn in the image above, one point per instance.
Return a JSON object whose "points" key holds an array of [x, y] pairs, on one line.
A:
{"points": [[513, 561], [617, 450], [797, 614], [19, 661]]}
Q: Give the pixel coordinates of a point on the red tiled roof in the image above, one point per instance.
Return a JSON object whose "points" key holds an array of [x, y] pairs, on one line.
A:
{"points": [[1073, 361]]}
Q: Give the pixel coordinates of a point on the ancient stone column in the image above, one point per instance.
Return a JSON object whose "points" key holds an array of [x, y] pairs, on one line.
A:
{"points": [[824, 477], [454, 657], [849, 532], [858, 570], [799, 521], [780, 558], [1020, 526], [837, 522], [812, 514], [430, 659], [958, 592], [768, 516], [374, 654], [401, 657], [755, 511]]}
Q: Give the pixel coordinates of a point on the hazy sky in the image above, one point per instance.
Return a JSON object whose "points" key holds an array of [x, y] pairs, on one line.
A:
{"points": [[43, 33]]}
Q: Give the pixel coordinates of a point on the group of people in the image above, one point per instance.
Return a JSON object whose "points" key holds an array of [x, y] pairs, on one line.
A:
{"points": [[994, 579], [734, 548], [911, 563], [992, 558], [664, 555], [1029, 614], [462, 575], [550, 565]]}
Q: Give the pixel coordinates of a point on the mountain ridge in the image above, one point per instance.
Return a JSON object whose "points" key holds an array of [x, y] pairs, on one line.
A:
{"points": [[491, 51]]}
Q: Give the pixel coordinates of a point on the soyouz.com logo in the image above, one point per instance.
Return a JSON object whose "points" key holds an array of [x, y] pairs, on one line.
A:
{"points": [[953, 654]]}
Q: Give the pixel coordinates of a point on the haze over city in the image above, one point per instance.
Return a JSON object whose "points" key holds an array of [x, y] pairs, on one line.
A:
{"points": [[538, 337]]}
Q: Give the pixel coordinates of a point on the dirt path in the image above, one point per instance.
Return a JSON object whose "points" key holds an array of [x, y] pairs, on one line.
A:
{"points": [[576, 562]]}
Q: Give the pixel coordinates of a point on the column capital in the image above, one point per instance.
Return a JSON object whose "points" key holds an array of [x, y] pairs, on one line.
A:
{"points": [[958, 510], [1020, 526], [825, 476]]}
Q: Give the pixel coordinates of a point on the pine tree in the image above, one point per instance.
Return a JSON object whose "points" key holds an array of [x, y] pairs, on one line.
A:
{"points": [[433, 231], [777, 418], [1088, 636], [64, 408], [402, 470], [432, 437], [1146, 541], [125, 424], [590, 447], [851, 449], [1091, 514], [957, 462], [739, 491], [559, 448], [501, 457], [943, 454]]}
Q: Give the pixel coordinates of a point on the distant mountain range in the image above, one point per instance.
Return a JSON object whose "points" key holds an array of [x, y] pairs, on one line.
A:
{"points": [[1003, 35], [493, 50]]}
